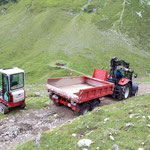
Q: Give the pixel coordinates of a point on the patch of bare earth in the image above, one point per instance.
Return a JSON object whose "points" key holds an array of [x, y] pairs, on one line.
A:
{"points": [[19, 128], [144, 88]]}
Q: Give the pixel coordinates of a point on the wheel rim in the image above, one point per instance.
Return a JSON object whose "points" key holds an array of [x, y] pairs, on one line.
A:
{"points": [[126, 92]]}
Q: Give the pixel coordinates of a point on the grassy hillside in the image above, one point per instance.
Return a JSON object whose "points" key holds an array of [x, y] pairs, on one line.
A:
{"points": [[84, 34], [36, 98], [127, 122], [36, 34]]}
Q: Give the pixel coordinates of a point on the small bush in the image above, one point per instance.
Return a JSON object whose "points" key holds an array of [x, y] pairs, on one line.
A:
{"points": [[89, 8], [3, 2]]}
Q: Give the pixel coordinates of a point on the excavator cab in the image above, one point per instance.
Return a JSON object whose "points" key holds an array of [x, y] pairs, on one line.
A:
{"points": [[12, 91]]}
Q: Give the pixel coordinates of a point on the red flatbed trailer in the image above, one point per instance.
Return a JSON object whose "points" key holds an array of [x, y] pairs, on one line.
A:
{"points": [[81, 93]]}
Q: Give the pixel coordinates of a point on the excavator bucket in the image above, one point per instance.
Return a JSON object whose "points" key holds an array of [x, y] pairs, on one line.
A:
{"points": [[100, 74]]}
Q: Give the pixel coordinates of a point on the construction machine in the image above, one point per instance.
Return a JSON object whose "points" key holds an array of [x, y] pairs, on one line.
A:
{"points": [[121, 75], [12, 92], [84, 93]]}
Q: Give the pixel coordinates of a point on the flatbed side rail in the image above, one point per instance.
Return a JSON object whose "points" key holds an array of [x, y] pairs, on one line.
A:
{"points": [[93, 93], [52, 89]]}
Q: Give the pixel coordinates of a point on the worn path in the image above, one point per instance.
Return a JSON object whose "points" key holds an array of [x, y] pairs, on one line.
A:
{"points": [[16, 129]]}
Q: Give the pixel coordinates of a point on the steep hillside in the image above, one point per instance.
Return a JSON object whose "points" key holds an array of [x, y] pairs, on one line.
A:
{"points": [[84, 34], [125, 126]]}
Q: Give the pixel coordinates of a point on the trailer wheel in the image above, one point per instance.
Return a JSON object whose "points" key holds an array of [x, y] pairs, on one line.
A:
{"points": [[95, 104], [57, 104], [23, 105], [3, 109], [85, 108]]}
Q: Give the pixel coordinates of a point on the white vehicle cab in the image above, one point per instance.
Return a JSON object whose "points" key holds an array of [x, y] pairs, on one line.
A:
{"points": [[12, 92]]}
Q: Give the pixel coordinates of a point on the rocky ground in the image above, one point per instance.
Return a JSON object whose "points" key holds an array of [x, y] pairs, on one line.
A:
{"points": [[18, 128], [21, 127]]}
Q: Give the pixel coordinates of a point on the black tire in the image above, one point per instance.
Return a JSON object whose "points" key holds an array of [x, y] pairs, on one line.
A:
{"points": [[57, 104], [123, 92], [85, 108], [134, 90], [3, 109], [95, 104], [23, 105]]}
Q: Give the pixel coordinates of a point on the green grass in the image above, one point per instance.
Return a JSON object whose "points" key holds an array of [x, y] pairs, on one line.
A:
{"points": [[144, 80], [92, 126], [33, 36], [36, 98], [136, 28]]}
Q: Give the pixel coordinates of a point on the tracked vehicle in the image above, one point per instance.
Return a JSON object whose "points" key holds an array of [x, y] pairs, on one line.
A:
{"points": [[12, 92]]}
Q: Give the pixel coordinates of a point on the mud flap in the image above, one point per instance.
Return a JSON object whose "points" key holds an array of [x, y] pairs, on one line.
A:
{"points": [[134, 89]]}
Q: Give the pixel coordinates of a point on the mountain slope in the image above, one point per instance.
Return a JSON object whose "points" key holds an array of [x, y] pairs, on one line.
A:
{"points": [[37, 34], [127, 123]]}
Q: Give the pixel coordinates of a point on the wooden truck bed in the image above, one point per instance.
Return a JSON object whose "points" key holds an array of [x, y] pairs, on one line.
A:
{"points": [[79, 89]]}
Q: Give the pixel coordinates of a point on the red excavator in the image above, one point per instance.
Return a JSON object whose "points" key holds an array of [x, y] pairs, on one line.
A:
{"points": [[12, 91]]}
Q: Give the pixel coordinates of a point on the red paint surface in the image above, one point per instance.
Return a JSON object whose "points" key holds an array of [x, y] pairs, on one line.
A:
{"points": [[123, 81], [11, 103], [100, 74], [104, 88]]}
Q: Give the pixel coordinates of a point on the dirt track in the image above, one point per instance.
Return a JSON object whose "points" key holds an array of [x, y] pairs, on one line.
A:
{"points": [[144, 88], [23, 126]]}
